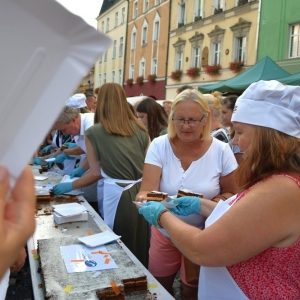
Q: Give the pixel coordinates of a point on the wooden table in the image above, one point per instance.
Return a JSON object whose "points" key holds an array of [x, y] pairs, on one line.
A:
{"points": [[47, 228]]}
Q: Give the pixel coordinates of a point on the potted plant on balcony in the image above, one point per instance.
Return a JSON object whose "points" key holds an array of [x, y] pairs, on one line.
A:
{"points": [[242, 2], [236, 66], [140, 80], [213, 70], [193, 72], [218, 11], [129, 81], [152, 78], [176, 75]]}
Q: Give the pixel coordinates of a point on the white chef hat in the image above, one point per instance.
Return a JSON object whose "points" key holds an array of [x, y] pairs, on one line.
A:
{"points": [[77, 101], [270, 104]]}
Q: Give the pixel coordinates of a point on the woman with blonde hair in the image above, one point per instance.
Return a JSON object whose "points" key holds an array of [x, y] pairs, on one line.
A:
{"points": [[116, 148], [218, 130], [186, 158]]}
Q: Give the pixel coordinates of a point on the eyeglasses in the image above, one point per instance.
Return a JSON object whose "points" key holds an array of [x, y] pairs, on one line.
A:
{"points": [[192, 123]]}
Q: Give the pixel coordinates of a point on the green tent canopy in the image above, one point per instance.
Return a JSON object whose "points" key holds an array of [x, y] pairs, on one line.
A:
{"points": [[265, 69], [291, 80]]}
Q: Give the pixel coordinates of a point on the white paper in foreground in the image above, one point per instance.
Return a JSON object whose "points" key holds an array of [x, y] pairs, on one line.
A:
{"points": [[99, 238], [80, 258], [44, 54]]}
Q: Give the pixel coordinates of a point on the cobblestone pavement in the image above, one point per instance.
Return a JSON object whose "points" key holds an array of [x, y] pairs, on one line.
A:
{"points": [[21, 288], [176, 287]]}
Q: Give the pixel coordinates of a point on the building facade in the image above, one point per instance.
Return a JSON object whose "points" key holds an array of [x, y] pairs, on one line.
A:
{"points": [[279, 33], [147, 48], [207, 38], [112, 21]]}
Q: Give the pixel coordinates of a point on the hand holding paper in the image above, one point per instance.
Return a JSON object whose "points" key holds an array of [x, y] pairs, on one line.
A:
{"points": [[17, 221]]}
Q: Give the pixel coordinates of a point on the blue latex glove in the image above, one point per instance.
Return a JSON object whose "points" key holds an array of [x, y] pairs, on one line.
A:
{"points": [[62, 188], [151, 212], [61, 158], [47, 148], [71, 145], [37, 161], [78, 172], [187, 205]]}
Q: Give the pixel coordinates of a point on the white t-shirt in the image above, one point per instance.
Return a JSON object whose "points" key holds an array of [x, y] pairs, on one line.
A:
{"points": [[202, 176], [87, 120]]}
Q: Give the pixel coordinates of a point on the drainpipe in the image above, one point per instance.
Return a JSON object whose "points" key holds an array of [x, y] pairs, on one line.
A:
{"points": [[257, 31], [168, 42], [125, 43]]}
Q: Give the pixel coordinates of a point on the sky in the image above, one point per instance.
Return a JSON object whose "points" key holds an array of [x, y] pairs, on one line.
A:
{"points": [[87, 9]]}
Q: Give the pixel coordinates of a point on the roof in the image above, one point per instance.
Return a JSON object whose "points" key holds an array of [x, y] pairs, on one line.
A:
{"points": [[265, 69], [106, 5]]}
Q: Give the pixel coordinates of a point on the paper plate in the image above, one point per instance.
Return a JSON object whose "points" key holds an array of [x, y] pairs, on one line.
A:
{"points": [[99, 238], [165, 203], [69, 209], [50, 159]]}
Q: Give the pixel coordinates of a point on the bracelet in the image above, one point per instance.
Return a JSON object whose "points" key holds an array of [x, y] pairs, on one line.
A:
{"points": [[218, 198], [159, 216]]}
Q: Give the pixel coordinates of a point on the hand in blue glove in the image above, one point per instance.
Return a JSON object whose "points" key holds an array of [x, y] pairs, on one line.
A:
{"points": [[62, 188], [47, 148], [151, 212], [71, 145], [187, 205], [50, 163], [37, 161], [61, 158], [78, 172]]}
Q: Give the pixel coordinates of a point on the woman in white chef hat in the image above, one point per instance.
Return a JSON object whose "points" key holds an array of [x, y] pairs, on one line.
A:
{"points": [[250, 247]]}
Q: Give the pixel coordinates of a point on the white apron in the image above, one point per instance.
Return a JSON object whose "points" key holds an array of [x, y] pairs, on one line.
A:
{"points": [[69, 165], [216, 283], [100, 185], [111, 196]]}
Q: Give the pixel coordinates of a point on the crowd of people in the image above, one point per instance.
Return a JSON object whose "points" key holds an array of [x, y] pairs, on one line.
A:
{"points": [[241, 240]]}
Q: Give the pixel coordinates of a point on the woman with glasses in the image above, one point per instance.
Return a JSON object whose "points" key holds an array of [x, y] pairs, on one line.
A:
{"points": [[153, 117], [188, 157]]}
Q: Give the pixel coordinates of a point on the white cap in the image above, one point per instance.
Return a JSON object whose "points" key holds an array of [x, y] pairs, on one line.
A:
{"points": [[270, 104], [77, 101]]}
